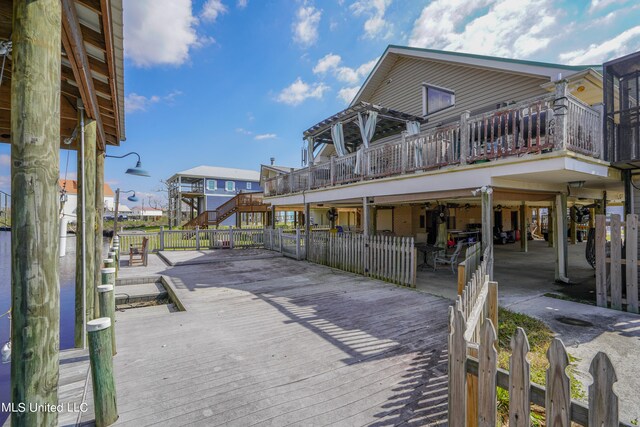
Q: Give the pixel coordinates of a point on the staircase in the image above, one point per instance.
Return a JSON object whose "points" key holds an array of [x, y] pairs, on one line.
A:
{"points": [[243, 202]]}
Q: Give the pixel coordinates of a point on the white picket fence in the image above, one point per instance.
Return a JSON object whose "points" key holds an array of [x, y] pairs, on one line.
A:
{"points": [[388, 258]]}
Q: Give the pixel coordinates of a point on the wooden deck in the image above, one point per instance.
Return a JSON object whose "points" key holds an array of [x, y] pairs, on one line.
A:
{"points": [[279, 342]]}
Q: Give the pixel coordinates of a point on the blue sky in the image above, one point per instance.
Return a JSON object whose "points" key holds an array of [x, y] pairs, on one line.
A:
{"points": [[235, 82]]}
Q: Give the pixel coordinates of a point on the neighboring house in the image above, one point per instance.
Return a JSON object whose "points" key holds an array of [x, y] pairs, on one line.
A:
{"points": [[145, 213], [428, 128], [69, 188], [205, 188]]}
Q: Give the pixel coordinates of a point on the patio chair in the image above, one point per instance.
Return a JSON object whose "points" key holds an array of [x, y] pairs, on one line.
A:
{"points": [[138, 253], [449, 259]]}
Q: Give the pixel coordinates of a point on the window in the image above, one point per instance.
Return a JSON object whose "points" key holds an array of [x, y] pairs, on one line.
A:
{"points": [[211, 185], [248, 186], [436, 99], [230, 186]]}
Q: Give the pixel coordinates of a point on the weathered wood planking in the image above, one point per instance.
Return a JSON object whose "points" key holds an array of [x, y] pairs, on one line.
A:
{"points": [[519, 381], [558, 396], [603, 402], [601, 266], [488, 364], [457, 367], [631, 248], [616, 265]]}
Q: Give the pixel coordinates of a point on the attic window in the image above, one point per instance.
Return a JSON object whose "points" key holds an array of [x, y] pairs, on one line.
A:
{"points": [[436, 99]]}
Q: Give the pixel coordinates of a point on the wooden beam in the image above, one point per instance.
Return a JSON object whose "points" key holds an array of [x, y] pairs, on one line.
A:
{"points": [[100, 86], [94, 5], [92, 38], [73, 43], [109, 54], [35, 293]]}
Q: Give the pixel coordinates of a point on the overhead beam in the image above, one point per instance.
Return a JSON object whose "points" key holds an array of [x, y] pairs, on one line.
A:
{"points": [[73, 44], [109, 55]]}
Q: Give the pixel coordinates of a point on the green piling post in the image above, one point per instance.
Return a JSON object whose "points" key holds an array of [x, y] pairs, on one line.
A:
{"points": [[107, 303], [110, 262], [101, 360]]}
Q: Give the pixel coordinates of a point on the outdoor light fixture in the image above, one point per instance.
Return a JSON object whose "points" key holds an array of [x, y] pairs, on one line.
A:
{"points": [[137, 170]]}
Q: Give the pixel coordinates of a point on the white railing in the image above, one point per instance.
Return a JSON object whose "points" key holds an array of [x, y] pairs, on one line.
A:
{"points": [[526, 127], [584, 128]]}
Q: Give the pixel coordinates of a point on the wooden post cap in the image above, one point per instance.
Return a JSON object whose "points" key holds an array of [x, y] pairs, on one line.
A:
{"points": [[107, 260], [112, 253], [98, 324], [105, 288], [108, 270], [116, 238]]}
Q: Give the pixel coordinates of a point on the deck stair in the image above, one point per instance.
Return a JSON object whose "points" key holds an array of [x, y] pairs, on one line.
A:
{"points": [[243, 202]]}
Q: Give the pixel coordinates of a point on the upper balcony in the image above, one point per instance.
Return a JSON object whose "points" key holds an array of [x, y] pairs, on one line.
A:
{"points": [[544, 124]]}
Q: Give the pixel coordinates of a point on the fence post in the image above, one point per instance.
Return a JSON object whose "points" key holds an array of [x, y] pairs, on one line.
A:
{"points": [[631, 245], [519, 380], [616, 263], [488, 365], [464, 137], [558, 395], [404, 153], [101, 360], [298, 244], [231, 237], [197, 237], [457, 367], [601, 262], [492, 299], [461, 276], [280, 239], [603, 402], [161, 238]]}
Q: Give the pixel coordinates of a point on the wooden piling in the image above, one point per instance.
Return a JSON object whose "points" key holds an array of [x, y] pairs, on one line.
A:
{"points": [[101, 360], [35, 159], [99, 212], [116, 250], [107, 306]]}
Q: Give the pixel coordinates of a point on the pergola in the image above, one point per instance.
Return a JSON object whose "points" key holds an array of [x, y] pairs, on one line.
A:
{"points": [[62, 86], [388, 122]]}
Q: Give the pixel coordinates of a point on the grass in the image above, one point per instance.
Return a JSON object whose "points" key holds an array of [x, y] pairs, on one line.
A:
{"points": [[540, 337]]}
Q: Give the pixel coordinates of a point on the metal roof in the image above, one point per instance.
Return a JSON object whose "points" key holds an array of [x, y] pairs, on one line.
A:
{"points": [[204, 171]]}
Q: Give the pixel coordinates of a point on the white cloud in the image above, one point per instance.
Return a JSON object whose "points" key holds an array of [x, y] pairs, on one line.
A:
{"points": [[375, 11], [305, 26], [5, 160], [507, 28], [331, 63], [242, 4], [348, 93], [327, 63], [244, 131], [134, 102], [149, 40], [299, 91], [212, 9], [622, 44], [265, 136], [596, 5]]}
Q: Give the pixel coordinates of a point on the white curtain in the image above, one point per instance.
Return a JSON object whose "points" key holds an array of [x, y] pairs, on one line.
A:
{"points": [[413, 128], [359, 155], [338, 139], [368, 127]]}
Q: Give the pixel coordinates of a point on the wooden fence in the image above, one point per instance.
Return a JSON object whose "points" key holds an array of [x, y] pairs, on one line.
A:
{"points": [[388, 258], [472, 258], [474, 373], [616, 287], [195, 239]]}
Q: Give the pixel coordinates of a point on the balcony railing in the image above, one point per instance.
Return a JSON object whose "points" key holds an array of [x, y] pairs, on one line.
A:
{"points": [[532, 126]]}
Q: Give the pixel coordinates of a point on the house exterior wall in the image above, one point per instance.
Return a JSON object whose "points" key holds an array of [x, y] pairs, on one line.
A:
{"points": [[474, 88], [218, 186]]}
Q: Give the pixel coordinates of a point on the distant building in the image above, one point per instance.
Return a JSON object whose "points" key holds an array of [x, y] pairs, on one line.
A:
{"points": [[69, 189], [205, 188], [145, 213]]}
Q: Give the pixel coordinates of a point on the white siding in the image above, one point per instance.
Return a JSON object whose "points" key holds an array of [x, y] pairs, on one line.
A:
{"points": [[475, 88]]}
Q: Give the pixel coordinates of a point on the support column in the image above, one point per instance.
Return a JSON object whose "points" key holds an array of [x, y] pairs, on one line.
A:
{"points": [[551, 226], [524, 243], [99, 217], [35, 160], [366, 217], [560, 108], [307, 228], [85, 235], [272, 222], [487, 229], [560, 209]]}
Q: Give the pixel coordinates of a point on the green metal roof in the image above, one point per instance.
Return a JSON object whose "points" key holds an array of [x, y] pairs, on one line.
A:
{"points": [[497, 58]]}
